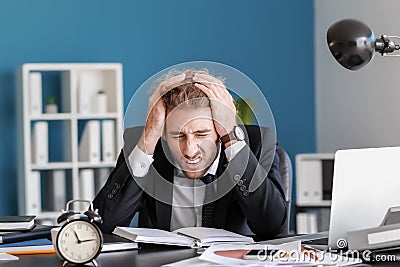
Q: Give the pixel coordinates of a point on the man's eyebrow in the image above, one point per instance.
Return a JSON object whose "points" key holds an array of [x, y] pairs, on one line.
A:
{"points": [[198, 131]]}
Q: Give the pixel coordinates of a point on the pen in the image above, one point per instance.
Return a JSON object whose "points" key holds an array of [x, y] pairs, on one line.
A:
{"points": [[30, 252]]}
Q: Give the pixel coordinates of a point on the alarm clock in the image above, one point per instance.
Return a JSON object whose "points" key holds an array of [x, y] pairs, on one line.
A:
{"points": [[79, 239]]}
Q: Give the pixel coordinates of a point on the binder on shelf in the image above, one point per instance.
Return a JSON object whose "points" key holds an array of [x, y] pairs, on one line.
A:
{"points": [[306, 223], [35, 87], [101, 176], [40, 143], [56, 190], [108, 140], [86, 185], [33, 196], [89, 146]]}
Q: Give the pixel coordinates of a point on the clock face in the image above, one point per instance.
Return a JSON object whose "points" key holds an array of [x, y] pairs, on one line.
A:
{"points": [[79, 241]]}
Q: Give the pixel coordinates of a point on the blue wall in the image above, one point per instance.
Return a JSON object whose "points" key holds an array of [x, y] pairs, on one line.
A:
{"points": [[270, 41]]}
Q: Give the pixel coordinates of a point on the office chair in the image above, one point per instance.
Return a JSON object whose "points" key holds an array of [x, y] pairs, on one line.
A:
{"points": [[286, 171]]}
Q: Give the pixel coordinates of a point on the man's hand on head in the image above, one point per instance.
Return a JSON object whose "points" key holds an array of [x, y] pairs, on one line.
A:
{"points": [[156, 114], [222, 107]]}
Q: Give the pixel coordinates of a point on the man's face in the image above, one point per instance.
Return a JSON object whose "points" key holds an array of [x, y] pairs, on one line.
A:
{"points": [[192, 139]]}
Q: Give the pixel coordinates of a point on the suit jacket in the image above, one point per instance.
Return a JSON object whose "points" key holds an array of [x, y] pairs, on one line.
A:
{"points": [[261, 212]]}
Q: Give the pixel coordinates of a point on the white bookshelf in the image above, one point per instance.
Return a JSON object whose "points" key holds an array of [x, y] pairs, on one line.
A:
{"points": [[314, 174], [75, 84]]}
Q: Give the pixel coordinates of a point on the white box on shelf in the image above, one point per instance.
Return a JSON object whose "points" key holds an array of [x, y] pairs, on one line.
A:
{"points": [[33, 196], [40, 143], [86, 186], [56, 196], [108, 140], [89, 84], [89, 146], [314, 174], [101, 102], [35, 95]]}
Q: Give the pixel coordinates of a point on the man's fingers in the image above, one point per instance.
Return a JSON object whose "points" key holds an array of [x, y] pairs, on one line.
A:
{"points": [[209, 93], [170, 83], [207, 77]]}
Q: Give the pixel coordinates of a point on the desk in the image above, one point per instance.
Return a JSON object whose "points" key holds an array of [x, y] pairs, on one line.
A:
{"points": [[148, 255]]}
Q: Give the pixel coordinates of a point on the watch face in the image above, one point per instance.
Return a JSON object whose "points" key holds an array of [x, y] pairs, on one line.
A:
{"points": [[239, 133], [79, 241]]}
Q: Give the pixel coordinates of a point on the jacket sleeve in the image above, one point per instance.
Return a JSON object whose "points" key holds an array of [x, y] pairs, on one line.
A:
{"points": [[258, 188], [121, 197]]}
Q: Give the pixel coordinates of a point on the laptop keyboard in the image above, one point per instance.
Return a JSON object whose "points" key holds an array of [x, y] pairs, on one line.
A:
{"points": [[317, 241]]}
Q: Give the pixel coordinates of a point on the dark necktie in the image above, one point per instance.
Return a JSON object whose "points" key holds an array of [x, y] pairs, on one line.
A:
{"points": [[208, 217]]}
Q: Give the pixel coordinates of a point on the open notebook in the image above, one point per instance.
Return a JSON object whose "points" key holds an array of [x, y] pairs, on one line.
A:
{"points": [[189, 236]]}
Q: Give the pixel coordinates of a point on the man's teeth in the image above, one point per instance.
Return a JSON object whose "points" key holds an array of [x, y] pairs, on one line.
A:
{"points": [[193, 161]]}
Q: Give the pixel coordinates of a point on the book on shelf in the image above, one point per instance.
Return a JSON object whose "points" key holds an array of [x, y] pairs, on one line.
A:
{"points": [[40, 143], [187, 237], [11, 223], [108, 140], [86, 186], [39, 231], [35, 89], [89, 145], [36, 246], [32, 194], [56, 190]]}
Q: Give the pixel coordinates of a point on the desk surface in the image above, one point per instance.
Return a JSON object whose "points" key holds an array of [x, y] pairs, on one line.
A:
{"points": [[148, 255]]}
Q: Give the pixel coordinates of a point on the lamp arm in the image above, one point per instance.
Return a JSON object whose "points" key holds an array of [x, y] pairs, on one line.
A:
{"points": [[384, 45]]}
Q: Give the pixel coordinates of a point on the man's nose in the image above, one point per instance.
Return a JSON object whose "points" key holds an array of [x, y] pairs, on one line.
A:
{"points": [[190, 148]]}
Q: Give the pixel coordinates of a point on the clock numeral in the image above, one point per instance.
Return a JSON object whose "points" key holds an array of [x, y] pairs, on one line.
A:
{"points": [[80, 226], [66, 234]]}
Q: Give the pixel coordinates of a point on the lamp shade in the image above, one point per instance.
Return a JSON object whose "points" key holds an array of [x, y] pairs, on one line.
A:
{"points": [[351, 42]]}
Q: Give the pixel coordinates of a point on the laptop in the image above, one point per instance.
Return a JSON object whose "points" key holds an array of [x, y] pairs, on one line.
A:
{"points": [[366, 183]]}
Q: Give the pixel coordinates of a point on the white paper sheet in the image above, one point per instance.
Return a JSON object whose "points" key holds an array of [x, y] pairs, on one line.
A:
{"points": [[291, 248], [7, 257]]}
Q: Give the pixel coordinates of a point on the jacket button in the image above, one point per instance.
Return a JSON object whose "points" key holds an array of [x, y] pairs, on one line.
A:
{"points": [[245, 193], [117, 186], [236, 177], [242, 188], [114, 191], [240, 183], [110, 196]]}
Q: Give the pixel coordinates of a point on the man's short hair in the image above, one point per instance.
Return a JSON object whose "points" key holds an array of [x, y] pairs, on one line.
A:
{"points": [[187, 94]]}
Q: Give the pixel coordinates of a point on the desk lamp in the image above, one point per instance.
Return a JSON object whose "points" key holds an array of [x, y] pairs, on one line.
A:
{"points": [[353, 43]]}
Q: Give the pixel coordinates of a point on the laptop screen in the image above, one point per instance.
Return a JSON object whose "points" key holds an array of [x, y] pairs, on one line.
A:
{"points": [[366, 183]]}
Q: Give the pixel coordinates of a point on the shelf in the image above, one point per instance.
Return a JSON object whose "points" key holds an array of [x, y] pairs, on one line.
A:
{"points": [[51, 147], [69, 116], [84, 165], [50, 117], [52, 166], [109, 115]]}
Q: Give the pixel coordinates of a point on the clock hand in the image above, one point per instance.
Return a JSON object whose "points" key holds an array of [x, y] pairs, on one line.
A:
{"points": [[77, 237], [87, 240]]}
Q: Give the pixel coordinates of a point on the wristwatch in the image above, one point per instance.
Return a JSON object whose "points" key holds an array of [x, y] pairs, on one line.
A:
{"points": [[236, 134]]}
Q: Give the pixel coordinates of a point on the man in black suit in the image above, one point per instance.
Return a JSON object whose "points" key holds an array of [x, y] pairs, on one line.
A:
{"points": [[192, 165]]}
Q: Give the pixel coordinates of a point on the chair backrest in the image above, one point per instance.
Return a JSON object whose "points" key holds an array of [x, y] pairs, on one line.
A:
{"points": [[285, 168]]}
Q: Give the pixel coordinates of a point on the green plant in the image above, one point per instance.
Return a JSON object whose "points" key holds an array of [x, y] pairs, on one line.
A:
{"points": [[51, 100]]}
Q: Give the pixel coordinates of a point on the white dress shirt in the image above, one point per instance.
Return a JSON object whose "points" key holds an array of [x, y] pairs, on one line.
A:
{"points": [[188, 194]]}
